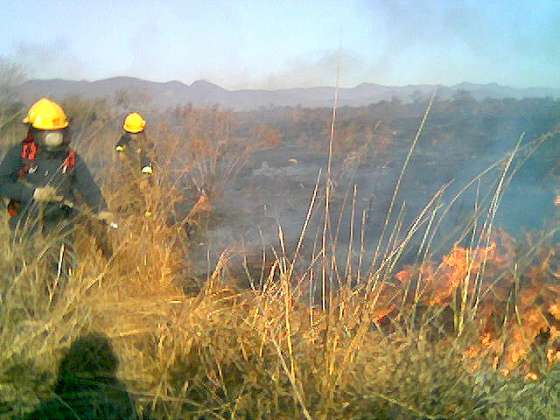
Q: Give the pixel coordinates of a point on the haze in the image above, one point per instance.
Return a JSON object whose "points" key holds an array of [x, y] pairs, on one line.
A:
{"points": [[254, 44]]}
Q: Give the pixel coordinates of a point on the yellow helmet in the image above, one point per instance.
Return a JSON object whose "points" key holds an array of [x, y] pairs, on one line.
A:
{"points": [[134, 123], [32, 111], [46, 115]]}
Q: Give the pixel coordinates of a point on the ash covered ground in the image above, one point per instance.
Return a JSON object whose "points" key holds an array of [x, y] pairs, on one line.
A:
{"points": [[276, 187]]}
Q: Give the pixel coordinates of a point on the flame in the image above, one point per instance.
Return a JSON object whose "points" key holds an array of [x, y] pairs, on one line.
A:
{"points": [[461, 266], [516, 312]]}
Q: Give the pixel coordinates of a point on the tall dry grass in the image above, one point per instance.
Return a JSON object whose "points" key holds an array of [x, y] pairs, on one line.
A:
{"points": [[268, 352]]}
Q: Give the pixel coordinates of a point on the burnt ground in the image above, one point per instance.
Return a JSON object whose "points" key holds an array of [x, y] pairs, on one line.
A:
{"points": [[275, 188]]}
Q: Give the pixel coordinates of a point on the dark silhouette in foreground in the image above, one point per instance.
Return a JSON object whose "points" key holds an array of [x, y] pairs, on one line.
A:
{"points": [[86, 387]]}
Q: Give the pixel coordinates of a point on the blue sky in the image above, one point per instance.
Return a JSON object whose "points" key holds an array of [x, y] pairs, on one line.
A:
{"points": [[278, 44]]}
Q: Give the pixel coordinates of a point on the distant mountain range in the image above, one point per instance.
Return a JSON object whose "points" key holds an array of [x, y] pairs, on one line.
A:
{"points": [[203, 93]]}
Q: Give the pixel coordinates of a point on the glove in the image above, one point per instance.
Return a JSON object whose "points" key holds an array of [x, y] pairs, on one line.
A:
{"points": [[106, 217], [147, 170], [47, 195]]}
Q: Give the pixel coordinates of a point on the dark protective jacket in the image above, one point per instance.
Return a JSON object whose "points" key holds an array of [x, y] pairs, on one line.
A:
{"points": [[137, 151], [47, 168]]}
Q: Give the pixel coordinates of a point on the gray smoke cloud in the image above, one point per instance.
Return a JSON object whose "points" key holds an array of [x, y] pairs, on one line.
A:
{"points": [[450, 42], [44, 60], [319, 70], [310, 70], [401, 42]]}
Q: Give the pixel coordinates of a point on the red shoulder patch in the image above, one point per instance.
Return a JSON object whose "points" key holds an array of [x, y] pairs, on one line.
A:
{"points": [[70, 161]]}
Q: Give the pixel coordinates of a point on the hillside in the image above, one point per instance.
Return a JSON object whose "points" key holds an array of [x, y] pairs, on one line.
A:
{"points": [[203, 93]]}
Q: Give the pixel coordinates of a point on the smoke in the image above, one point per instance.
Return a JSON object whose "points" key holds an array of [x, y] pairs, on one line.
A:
{"points": [[388, 42], [145, 62], [46, 60], [450, 42], [318, 69], [11, 74]]}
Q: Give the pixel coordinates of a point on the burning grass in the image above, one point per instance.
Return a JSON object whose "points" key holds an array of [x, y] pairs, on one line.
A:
{"points": [[470, 335], [225, 352]]}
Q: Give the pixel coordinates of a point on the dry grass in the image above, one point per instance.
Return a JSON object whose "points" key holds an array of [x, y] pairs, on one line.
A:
{"points": [[229, 353]]}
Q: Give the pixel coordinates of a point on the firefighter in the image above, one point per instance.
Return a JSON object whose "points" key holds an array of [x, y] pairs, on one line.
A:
{"points": [[42, 177], [134, 147], [135, 153]]}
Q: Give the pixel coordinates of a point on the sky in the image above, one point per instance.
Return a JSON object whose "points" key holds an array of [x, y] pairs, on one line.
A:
{"points": [[282, 44]]}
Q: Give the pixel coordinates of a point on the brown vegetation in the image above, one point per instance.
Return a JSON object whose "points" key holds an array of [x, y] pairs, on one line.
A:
{"points": [[378, 350]]}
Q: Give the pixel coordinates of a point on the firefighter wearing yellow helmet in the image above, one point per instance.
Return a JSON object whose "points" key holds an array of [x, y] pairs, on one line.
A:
{"points": [[42, 175], [135, 153], [133, 147]]}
